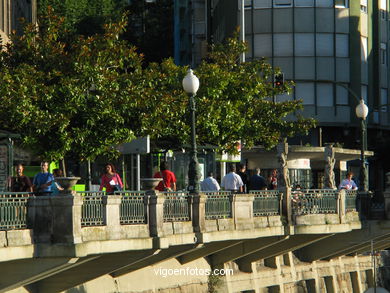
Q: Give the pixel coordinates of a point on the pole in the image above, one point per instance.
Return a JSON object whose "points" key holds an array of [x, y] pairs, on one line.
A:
{"points": [[138, 172], [242, 31], [363, 168], [88, 186], [193, 170]]}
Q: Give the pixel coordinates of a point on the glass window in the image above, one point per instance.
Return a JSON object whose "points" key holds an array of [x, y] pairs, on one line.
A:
{"points": [[364, 93], [341, 3], [284, 97], [304, 44], [283, 45], [384, 100], [282, 3], [263, 45], [341, 95], [383, 4], [324, 3], [305, 91], [324, 95], [262, 3], [363, 6], [324, 45], [342, 45], [304, 3]]}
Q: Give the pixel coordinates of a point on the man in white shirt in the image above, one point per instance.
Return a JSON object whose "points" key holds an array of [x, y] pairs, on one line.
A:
{"points": [[348, 183], [232, 181], [209, 184]]}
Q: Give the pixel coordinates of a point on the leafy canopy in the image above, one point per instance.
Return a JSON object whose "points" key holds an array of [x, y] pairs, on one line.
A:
{"points": [[70, 94]]}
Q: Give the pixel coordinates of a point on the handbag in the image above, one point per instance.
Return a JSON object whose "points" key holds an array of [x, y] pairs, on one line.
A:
{"points": [[117, 187]]}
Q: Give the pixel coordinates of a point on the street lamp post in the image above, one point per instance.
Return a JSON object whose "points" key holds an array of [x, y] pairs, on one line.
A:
{"points": [[362, 112], [191, 86]]}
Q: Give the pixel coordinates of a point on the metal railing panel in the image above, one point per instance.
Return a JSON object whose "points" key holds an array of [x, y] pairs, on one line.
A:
{"points": [[350, 200], [266, 202], [92, 210], [176, 207], [13, 210], [133, 207], [314, 201], [218, 205]]}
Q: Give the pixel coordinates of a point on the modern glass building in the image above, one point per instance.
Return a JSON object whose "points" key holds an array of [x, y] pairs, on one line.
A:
{"points": [[336, 52]]}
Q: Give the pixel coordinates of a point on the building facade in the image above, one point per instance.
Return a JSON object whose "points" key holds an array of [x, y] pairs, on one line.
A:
{"points": [[10, 13], [336, 52]]}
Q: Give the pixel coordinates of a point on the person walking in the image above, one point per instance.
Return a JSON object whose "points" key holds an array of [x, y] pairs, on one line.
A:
{"points": [[20, 182], [210, 184], [273, 180], [42, 181], [258, 182], [169, 179], [232, 181], [110, 179]]}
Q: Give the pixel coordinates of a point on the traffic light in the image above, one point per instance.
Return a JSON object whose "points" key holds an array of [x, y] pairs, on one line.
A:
{"points": [[278, 79]]}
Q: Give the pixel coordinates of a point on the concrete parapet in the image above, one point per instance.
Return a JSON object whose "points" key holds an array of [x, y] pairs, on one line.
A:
{"points": [[243, 211], [156, 213], [198, 212]]}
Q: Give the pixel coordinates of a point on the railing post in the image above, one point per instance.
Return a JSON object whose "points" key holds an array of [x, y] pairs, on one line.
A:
{"points": [[155, 213], [341, 205], [112, 215], [286, 205], [56, 219], [242, 210], [198, 212]]}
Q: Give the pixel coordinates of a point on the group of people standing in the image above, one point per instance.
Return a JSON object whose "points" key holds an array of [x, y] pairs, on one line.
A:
{"points": [[44, 182], [240, 181]]}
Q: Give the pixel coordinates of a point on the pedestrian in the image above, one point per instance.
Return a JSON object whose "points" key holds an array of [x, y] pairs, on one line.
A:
{"points": [[232, 181], [210, 184], [244, 177], [55, 187], [110, 179], [169, 179], [258, 182], [273, 180], [42, 181], [20, 182], [348, 183]]}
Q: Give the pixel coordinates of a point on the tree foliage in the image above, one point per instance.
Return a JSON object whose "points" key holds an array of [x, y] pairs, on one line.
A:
{"points": [[67, 93]]}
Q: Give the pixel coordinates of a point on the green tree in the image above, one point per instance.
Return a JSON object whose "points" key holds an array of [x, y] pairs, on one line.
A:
{"points": [[71, 94]]}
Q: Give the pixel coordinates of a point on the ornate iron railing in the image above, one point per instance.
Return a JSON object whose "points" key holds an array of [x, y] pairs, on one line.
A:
{"points": [[266, 202], [133, 209], [176, 207], [92, 210], [13, 210], [314, 201], [218, 205], [350, 200]]}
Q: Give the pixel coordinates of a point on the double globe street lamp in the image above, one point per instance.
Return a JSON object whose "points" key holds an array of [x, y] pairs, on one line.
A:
{"points": [[191, 86]]}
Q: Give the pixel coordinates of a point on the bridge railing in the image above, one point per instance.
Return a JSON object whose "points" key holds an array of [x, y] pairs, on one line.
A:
{"points": [[177, 207], [133, 207], [350, 200], [266, 202], [218, 205], [13, 210], [92, 210], [314, 201]]}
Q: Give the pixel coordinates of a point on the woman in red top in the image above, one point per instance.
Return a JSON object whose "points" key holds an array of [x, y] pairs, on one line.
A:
{"points": [[110, 180]]}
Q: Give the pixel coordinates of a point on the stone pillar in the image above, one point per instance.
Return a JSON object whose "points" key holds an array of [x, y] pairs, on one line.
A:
{"points": [[243, 211], [155, 213], [386, 195], [341, 205], [329, 167], [112, 215], [198, 212], [286, 209], [56, 219], [364, 204]]}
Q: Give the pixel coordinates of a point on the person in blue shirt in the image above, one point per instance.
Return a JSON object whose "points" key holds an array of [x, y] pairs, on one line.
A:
{"points": [[55, 187], [42, 181]]}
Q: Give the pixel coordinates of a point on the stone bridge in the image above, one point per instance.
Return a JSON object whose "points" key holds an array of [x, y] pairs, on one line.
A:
{"points": [[51, 244]]}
